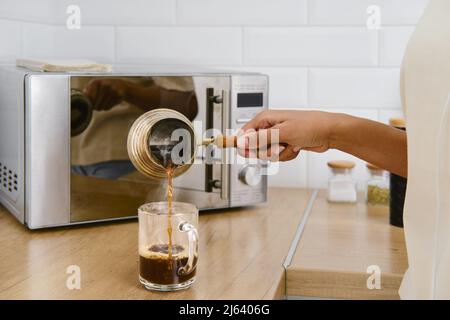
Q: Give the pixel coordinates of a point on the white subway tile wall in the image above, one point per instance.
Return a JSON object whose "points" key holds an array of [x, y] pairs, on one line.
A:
{"points": [[354, 12], [11, 46], [310, 46], [183, 45], [121, 12], [41, 11], [393, 42], [242, 13], [94, 42], [292, 173], [288, 87], [354, 87], [318, 54]]}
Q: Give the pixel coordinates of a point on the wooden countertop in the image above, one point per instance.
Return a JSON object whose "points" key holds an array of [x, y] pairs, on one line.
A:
{"points": [[241, 255], [337, 245], [242, 252]]}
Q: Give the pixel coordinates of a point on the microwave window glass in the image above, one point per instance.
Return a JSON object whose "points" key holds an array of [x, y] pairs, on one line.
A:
{"points": [[104, 182]]}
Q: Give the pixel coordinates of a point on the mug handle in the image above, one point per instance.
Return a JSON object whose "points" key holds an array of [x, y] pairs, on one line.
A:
{"points": [[193, 247]]}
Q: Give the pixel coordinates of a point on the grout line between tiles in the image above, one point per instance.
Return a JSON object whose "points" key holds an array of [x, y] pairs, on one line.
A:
{"points": [[307, 6], [175, 13], [243, 39], [116, 45]]}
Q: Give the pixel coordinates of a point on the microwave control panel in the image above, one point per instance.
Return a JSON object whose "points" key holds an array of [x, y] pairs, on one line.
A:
{"points": [[248, 98], [248, 179]]}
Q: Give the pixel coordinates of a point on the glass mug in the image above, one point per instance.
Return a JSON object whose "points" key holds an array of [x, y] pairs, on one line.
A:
{"points": [[160, 268]]}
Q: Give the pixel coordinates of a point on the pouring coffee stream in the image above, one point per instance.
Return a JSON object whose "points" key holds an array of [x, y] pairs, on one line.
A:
{"points": [[152, 143]]}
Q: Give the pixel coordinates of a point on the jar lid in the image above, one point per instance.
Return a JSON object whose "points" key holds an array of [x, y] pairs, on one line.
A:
{"points": [[397, 122], [341, 164], [371, 166]]}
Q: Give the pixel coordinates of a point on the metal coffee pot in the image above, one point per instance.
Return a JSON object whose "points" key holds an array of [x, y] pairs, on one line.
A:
{"points": [[151, 142]]}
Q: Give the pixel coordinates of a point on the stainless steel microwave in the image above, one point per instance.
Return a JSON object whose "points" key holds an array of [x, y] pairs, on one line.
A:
{"points": [[61, 164]]}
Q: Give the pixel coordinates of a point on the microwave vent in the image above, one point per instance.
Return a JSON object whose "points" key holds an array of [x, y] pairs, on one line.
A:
{"points": [[8, 179]]}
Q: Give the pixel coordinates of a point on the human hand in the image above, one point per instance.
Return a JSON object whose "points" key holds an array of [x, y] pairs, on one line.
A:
{"points": [[285, 133]]}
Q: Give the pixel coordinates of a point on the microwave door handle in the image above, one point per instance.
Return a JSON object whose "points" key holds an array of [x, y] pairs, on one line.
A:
{"points": [[210, 100], [225, 152], [223, 101]]}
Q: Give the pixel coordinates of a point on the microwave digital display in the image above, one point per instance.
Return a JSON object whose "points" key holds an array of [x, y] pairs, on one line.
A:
{"points": [[245, 100]]}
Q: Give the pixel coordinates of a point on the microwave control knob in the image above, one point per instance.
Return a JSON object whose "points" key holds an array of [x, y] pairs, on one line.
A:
{"points": [[250, 175]]}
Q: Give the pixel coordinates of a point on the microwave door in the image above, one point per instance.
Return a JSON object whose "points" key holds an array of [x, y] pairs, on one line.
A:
{"points": [[104, 183]]}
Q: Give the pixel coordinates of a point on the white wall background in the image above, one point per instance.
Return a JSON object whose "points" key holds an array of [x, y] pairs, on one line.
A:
{"points": [[318, 53]]}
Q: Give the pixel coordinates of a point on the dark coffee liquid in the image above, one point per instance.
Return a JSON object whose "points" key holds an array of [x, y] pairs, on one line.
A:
{"points": [[163, 154], [155, 265]]}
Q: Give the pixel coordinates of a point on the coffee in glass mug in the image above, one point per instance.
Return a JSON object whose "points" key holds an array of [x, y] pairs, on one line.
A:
{"points": [[168, 245]]}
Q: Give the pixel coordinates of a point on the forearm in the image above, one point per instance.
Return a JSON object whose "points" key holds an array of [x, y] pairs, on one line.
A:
{"points": [[147, 98], [374, 142]]}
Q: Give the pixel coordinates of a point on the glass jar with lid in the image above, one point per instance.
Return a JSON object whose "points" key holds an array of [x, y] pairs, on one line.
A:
{"points": [[377, 190], [341, 185]]}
